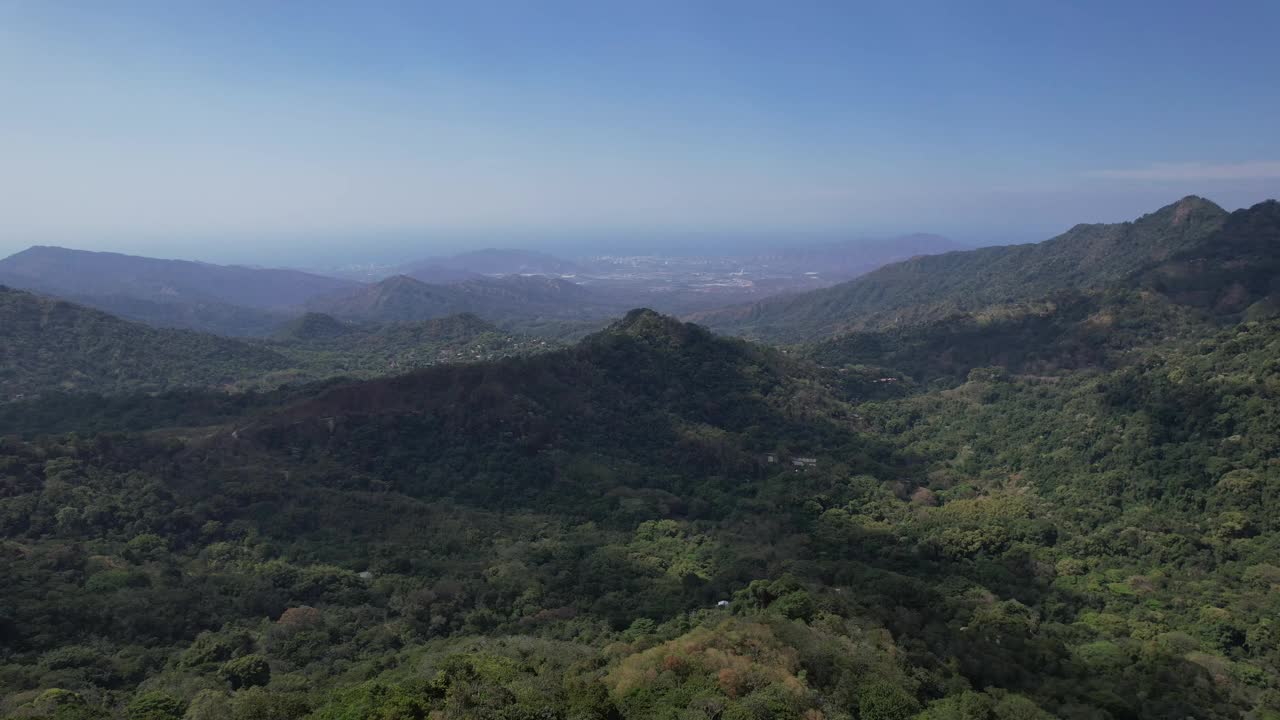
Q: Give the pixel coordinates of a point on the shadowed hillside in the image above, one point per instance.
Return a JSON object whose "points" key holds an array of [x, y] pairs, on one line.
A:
{"points": [[56, 347], [50, 345]]}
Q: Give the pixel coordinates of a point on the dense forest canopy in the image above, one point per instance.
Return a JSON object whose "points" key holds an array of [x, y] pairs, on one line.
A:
{"points": [[1054, 499], [53, 347]]}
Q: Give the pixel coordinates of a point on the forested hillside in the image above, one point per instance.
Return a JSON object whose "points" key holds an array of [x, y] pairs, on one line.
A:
{"points": [[206, 316], [321, 346], [1052, 506], [51, 348], [50, 345], [662, 523], [935, 286], [514, 299], [651, 360], [1066, 331]]}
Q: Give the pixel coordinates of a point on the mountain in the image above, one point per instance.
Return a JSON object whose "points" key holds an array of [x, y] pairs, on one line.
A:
{"points": [[642, 348], [1070, 330], [931, 287], [1057, 506], [489, 261], [313, 327], [403, 299], [1231, 274], [659, 519], [229, 300], [1236, 267], [49, 345], [82, 273]]}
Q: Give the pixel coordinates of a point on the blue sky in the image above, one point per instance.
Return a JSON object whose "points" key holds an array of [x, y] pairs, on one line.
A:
{"points": [[250, 131]]}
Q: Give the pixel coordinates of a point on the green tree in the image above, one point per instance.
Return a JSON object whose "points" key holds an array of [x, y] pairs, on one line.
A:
{"points": [[154, 705], [246, 671]]}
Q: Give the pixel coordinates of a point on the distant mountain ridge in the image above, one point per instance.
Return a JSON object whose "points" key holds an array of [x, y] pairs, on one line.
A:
{"points": [[84, 273], [241, 301], [403, 299], [928, 288], [222, 299]]}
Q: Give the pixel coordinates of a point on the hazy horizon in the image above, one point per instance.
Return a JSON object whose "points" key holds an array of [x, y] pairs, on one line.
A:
{"points": [[293, 134], [393, 249], [320, 252]]}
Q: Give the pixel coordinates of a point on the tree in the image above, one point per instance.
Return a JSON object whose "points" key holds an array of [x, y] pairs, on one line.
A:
{"points": [[154, 705], [884, 701], [247, 671]]}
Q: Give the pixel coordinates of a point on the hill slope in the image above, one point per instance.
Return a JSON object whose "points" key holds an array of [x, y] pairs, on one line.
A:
{"points": [[1237, 266], [54, 346], [228, 300], [1072, 514], [931, 287], [51, 345], [77, 272], [554, 536], [322, 346], [1232, 274], [404, 299]]}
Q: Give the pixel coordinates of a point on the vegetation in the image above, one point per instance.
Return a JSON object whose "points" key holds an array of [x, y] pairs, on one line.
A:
{"points": [[515, 300], [320, 346], [50, 345], [1067, 331], [1061, 506], [54, 348], [934, 287]]}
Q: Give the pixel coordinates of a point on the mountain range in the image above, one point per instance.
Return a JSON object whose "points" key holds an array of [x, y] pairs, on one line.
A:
{"points": [[931, 287], [254, 302], [53, 346], [223, 299], [78, 272], [401, 298], [1024, 483], [538, 292]]}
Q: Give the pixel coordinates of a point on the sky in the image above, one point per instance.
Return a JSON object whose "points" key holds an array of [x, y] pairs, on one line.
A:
{"points": [[309, 132]]}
